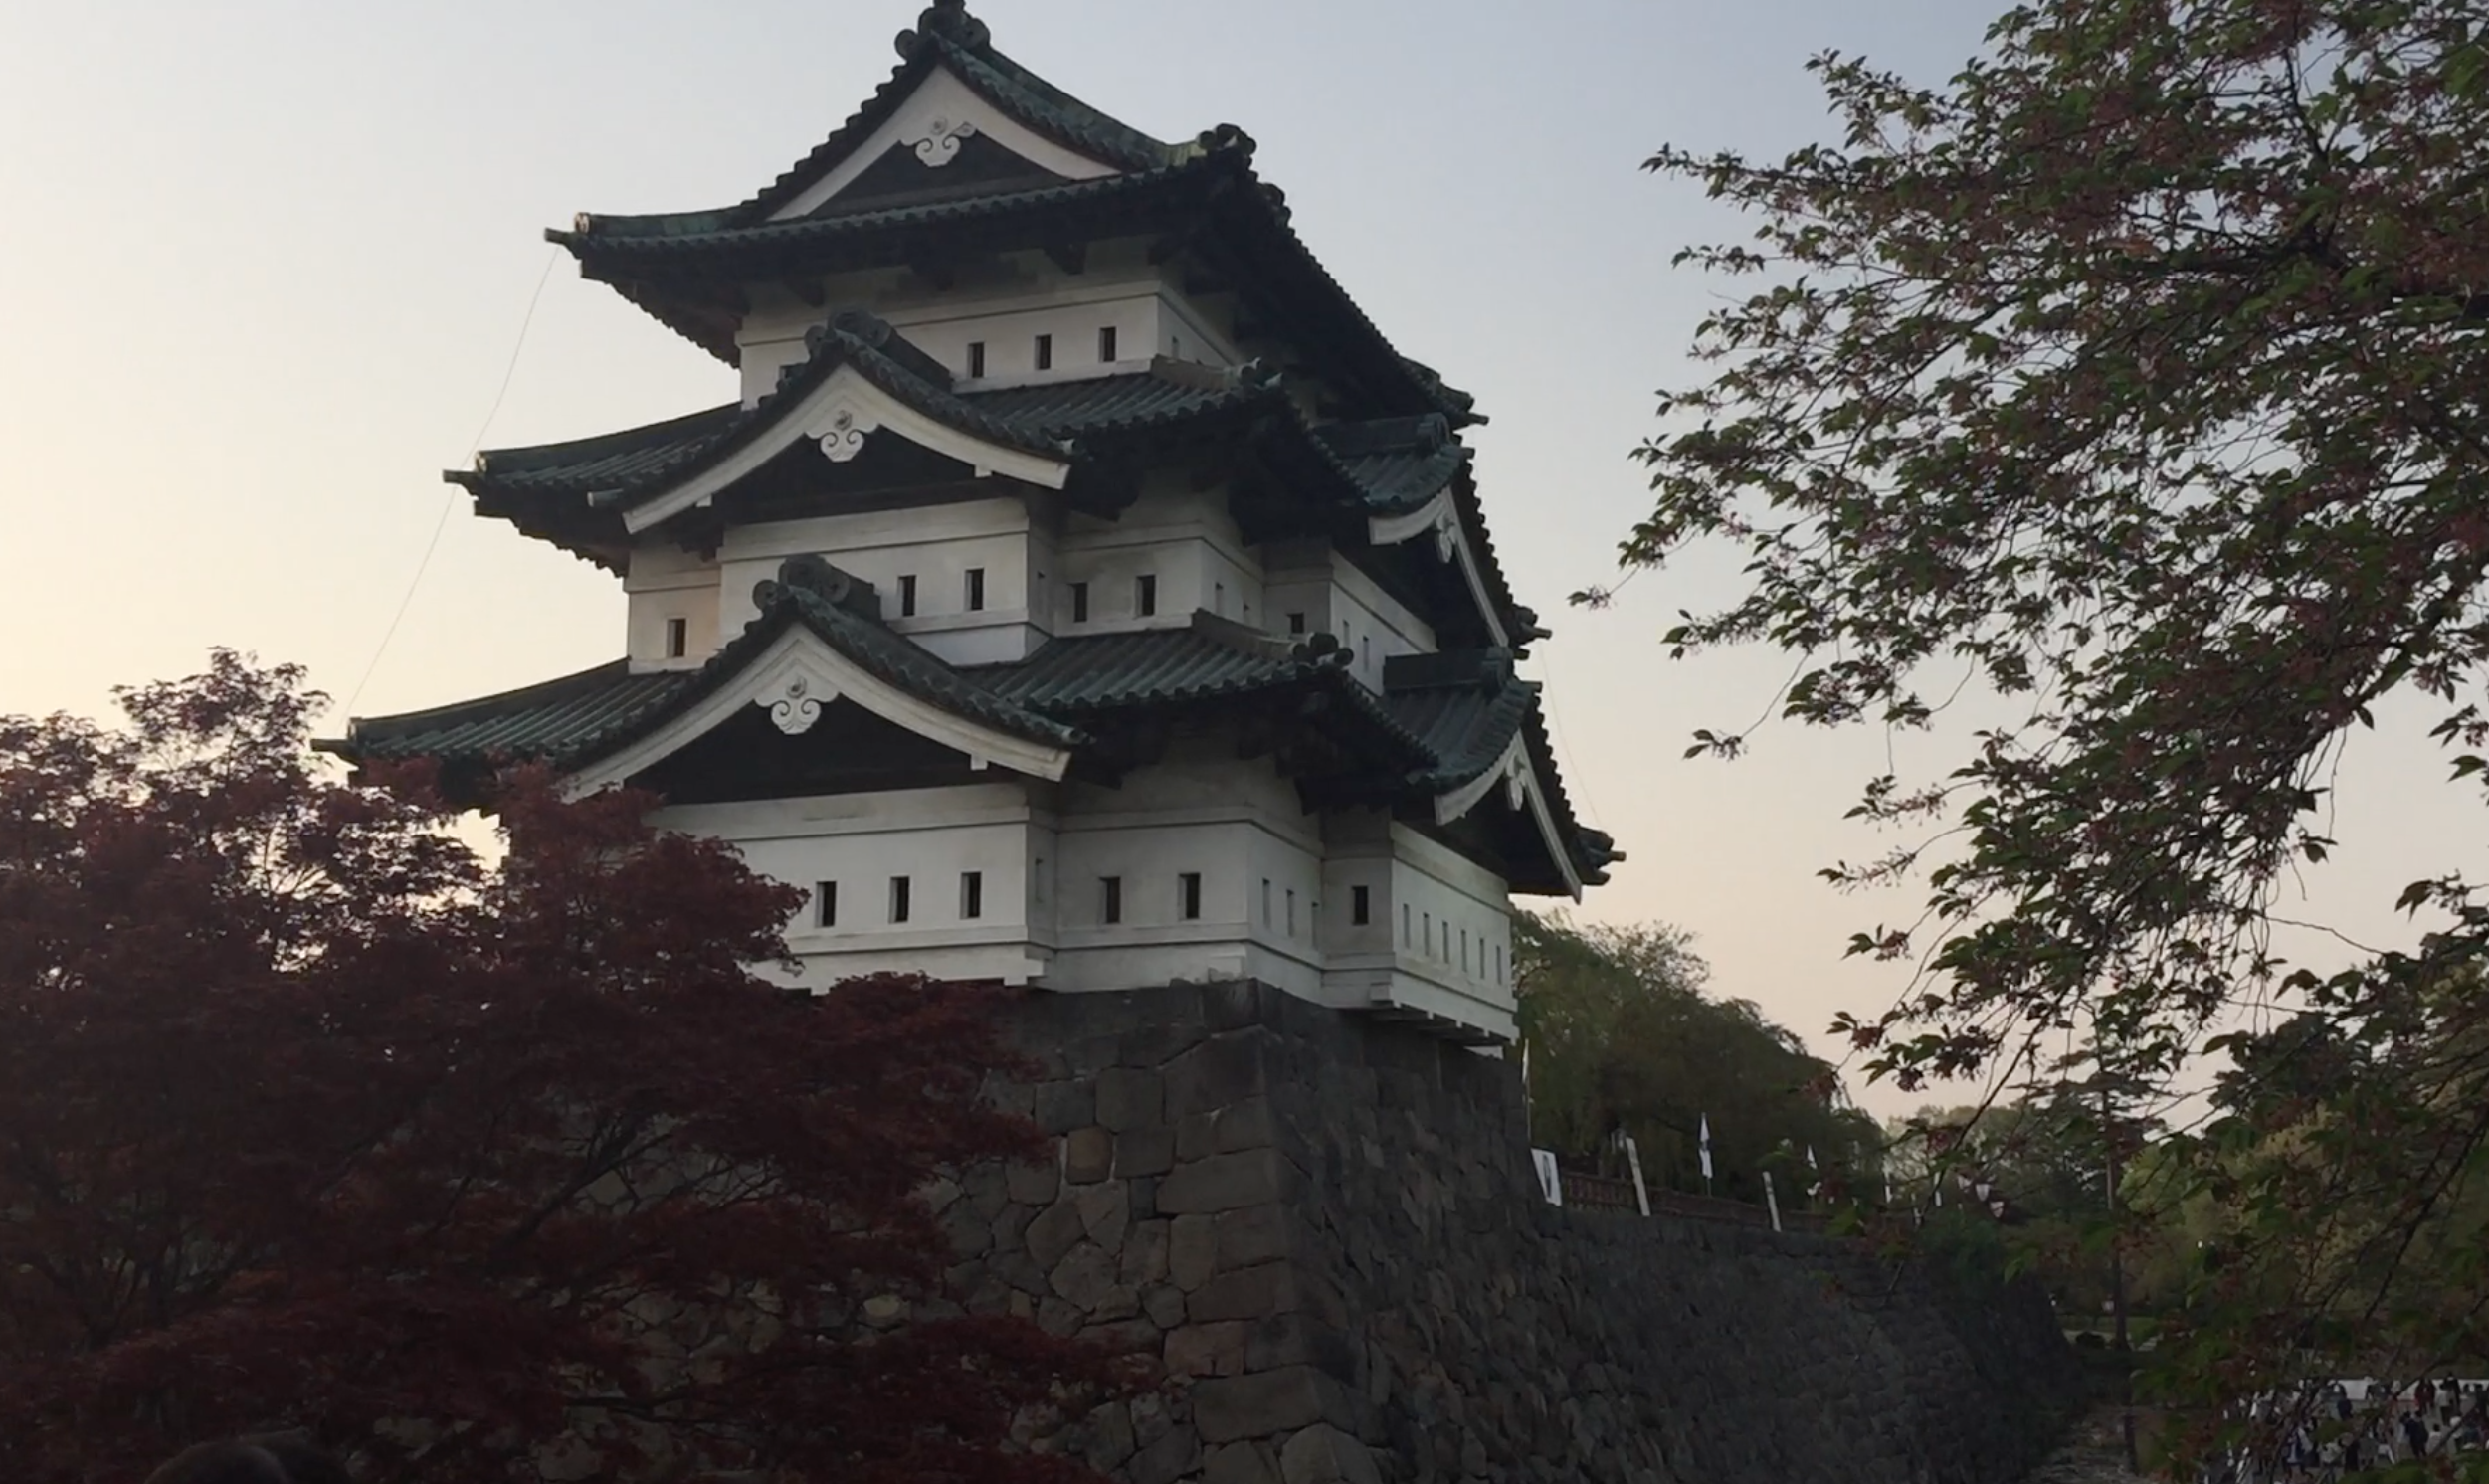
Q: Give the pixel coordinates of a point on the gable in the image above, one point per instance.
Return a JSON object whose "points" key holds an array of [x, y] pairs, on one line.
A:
{"points": [[797, 681], [979, 167], [944, 127], [840, 417]]}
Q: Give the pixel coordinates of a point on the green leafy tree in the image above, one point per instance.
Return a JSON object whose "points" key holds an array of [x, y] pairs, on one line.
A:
{"points": [[1622, 1037], [2132, 377]]}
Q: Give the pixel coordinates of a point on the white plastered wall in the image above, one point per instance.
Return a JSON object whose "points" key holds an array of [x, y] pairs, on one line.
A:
{"points": [[1278, 888], [665, 584], [1183, 537], [1438, 932], [862, 841], [1027, 297], [1201, 811], [937, 545], [1310, 578]]}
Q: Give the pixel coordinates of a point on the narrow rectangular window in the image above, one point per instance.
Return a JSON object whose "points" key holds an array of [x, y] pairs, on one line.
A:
{"points": [[1145, 594], [1296, 622], [678, 638], [825, 905], [1291, 912], [1045, 352], [971, 895], [1360, 906], [1106, 344], [1111, 899], [907, 594], [1365, 647], [976, 589], [1404, 925], [976, 358], [898, 898], [1188, 896], [1464, 950], [1219, 599], [1079, 603], [1265, 901], [1428, 922], [1499, 963]]}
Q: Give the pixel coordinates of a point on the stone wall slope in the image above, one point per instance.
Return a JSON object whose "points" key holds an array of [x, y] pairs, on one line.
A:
{"points": [[1326, 1228]]}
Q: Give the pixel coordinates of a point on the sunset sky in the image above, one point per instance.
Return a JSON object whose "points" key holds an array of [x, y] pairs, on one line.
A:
{"points": [[267, 263]]}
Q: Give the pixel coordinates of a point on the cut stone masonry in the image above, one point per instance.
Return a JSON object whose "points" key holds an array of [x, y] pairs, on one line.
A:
{"points": [[1324, 1230]]}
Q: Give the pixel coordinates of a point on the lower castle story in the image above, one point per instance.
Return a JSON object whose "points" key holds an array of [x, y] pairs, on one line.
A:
{"points": [[1200, 867]]}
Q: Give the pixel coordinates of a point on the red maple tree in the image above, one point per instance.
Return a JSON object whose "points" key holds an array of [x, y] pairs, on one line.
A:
{"points": [[311, 1117]]}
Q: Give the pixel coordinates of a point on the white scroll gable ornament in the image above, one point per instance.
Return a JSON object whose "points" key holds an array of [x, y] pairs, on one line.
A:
{"points": [[939, 143], [793, 708], [1516, 782], [845, 436]]}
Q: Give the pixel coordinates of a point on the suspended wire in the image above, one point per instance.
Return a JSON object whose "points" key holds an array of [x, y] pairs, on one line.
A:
{"points": [[1579, 782], [449, 500]]}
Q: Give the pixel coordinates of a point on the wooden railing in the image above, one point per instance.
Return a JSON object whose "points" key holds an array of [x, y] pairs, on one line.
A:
{"points": [[1585, 1192]]}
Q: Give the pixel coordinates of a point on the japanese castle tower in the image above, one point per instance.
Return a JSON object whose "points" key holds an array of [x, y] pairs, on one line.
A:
{"points": [[1081, 592]]}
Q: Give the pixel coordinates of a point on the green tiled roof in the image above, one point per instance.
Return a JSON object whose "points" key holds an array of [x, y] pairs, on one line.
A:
{"points": [[615, 460], [1399, 462], [615, 469], [1443, 720], [552, 720], [1169, 393], [1468, 728], [578, 718], [1244, 223], [654, 243], [1150, 666]]}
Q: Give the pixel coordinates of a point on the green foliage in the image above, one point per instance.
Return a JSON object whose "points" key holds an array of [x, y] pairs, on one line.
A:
{"points": [[1620, 1035], [2133, 376]]}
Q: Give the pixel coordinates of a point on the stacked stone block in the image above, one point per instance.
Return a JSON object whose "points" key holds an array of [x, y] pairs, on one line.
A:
{"points": [[1324, 1232]]}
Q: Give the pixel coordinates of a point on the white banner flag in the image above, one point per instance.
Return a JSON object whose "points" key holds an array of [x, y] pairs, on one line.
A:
{"points": [[1550, 1183], [1772, 1197], [1706, 1146], [1634, 1158]]}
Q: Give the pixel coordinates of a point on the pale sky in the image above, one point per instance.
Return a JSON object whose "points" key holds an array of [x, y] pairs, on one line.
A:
{"points": [[262, 264]]}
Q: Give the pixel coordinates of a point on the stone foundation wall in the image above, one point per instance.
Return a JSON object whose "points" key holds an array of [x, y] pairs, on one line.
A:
{"points": [[1327, 1230]]}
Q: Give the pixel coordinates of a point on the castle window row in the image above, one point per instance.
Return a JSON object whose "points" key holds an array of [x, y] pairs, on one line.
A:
{"points": [[1445, 944], [1421, 932], [902, 900], [1041, 352], [972, 598]]}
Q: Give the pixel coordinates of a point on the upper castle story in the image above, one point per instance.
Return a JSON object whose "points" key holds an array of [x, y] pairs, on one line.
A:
{"points": [[1022, 287]]}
